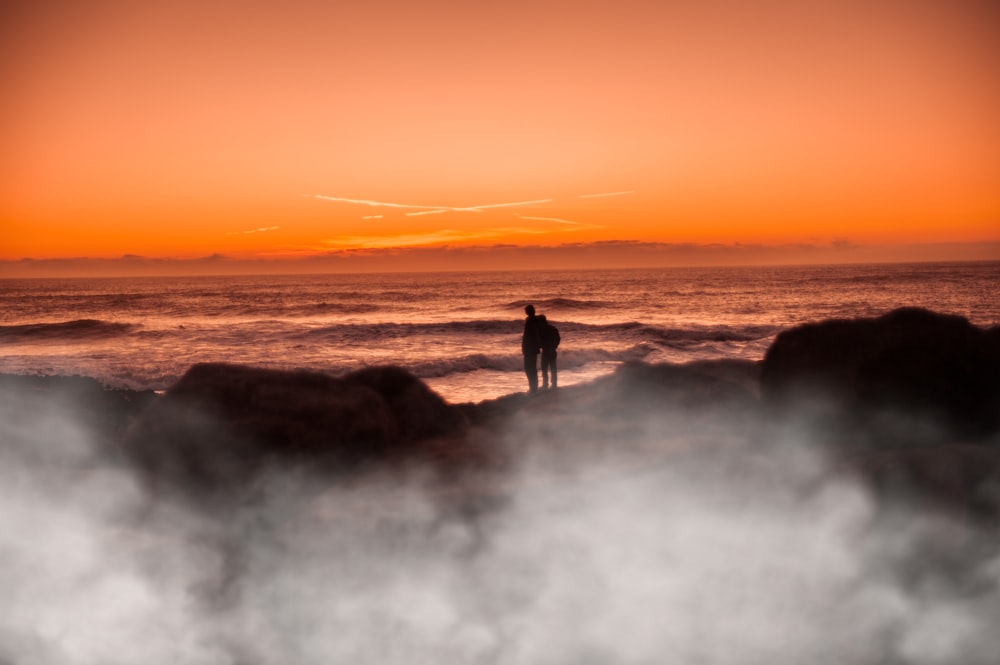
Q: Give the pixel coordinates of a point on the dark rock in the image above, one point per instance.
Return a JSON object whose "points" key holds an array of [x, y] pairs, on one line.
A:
{"points": [[419, 411], [221, 425], [933, 368], [637, 385], [634, 388], [964, 480]]}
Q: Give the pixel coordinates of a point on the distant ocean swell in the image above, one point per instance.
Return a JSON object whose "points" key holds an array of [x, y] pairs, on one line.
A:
{"points": [[396, 330], [66, 331], [297, 310], [718, 333], [562, 304], [476, 332], [506, 326], [459, 331]]}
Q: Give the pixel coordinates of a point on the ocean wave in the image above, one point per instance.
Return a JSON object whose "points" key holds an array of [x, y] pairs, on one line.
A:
{"points": [[710, 334], [570, 359], [339, 331], [635, 330], [66, 331], [294, 310], [627, 332], [562, 304]]}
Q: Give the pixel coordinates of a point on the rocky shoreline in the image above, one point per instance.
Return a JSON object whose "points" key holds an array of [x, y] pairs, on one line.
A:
{"points": [[871, 391], [853, 475]]}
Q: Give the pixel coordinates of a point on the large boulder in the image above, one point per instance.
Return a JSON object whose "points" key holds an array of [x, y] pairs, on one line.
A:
{"points": [[917, 365], [419, 411], [221, 425]]}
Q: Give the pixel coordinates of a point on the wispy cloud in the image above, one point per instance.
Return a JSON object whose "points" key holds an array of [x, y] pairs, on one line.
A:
{"points": [[428, 210], [479, 208], [444, 236], [597, 196], [576, 226], [552, 219], [376, 204], [263, 229], [441, 236]]}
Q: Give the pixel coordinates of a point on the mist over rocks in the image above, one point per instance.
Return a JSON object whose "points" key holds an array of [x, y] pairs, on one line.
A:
{"points": [[689, 407], [908, 374], [106, 412], [961, 479], [221, 425], [663, 513]]}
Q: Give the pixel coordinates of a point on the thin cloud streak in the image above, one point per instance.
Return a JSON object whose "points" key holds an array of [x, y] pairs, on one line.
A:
{"points": [[418, 210], [552, 219], [429, 238], [596, 196], [390, 242], [260, 230], [576, 226], [479, 208], [375, 204], [428, 210]]}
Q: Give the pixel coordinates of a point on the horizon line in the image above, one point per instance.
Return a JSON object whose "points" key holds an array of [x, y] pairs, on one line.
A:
{"points": [[611, 255]]}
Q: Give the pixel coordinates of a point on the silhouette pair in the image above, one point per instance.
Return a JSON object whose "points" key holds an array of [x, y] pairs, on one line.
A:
{"points": [[539, 336]]}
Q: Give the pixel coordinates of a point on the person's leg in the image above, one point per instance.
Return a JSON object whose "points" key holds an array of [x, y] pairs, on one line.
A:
{"points": [[545, 370], [531, 370], [555, 373]]}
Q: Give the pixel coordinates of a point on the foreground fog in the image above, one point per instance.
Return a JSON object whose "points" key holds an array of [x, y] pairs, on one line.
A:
{"points": [[705, 536]]}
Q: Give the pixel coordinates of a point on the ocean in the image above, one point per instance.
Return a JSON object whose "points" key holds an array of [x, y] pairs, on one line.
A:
{"points": [[459, 332]]}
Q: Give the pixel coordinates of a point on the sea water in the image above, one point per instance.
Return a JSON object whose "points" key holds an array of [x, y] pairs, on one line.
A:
{"points": [[459, 332]]}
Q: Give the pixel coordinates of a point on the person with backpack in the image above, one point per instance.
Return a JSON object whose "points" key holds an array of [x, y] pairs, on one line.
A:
{"points": [[548, 337]]}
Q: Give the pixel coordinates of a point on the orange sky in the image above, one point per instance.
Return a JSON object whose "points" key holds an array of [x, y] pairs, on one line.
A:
{"points": [[183, 129]]}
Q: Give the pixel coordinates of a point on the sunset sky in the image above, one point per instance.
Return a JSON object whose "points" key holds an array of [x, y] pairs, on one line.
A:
{"points": [[149, 135]]}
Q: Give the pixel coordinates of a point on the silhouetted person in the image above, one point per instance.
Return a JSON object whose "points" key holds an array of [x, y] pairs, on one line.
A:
{"points": [[530, 346], [548, 338]]}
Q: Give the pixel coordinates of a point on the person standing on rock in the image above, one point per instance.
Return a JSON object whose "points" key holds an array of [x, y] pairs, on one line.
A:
{"points": [[548, 337], [530, 346]]}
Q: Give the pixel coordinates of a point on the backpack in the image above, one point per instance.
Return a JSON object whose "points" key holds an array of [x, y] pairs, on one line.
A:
{"points": [[550, 338]]}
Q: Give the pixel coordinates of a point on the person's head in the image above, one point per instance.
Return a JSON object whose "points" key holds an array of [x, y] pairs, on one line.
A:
{"points": [[529, 310], [541, 318]]}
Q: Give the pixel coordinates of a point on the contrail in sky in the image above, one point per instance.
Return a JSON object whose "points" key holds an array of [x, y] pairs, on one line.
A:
{"points": [[478, 208], [429, 210], [594, 196], [377, 203], [260, 230], [417, 210], [552, 219], [578, 226], [434, 237]]}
